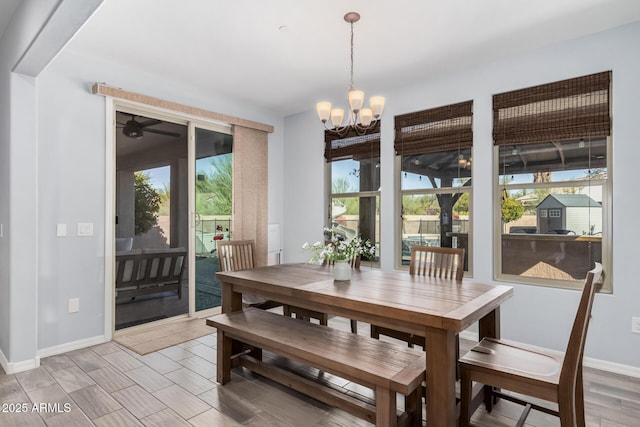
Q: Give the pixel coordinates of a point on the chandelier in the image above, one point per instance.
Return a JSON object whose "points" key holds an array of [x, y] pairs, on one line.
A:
{"points": [[359, 119]]}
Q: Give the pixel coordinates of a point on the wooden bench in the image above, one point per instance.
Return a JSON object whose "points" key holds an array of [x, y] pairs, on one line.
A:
{"points": [[384, 367], [148, 271]]}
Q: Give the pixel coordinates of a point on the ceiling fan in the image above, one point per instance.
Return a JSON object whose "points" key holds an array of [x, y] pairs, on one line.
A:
{"points": [[135, 129]]}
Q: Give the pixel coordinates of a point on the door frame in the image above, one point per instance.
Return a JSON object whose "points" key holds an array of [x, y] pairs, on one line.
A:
{"points": [[112, 105]]}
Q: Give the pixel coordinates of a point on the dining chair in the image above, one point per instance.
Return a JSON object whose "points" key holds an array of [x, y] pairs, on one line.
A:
{"points": [[236, 255], [431, 261], [533, 371], [303, 313]]}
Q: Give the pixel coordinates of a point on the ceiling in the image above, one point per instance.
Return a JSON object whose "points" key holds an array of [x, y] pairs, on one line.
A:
{"points": [[7, 7], [285, 55]]}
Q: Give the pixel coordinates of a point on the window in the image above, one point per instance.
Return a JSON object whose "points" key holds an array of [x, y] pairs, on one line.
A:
{"points": [[433, 152], [554, 213], [353, 163], [552, 144]]}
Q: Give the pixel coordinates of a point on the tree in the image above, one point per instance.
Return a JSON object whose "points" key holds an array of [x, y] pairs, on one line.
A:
{"points": [[512, 210], [147, 203], [341, 185], [165, 200], [214, 188], [418, 205]]}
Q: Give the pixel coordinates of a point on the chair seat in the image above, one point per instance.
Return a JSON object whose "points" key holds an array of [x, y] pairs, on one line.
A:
{"points": [[518, 359]]}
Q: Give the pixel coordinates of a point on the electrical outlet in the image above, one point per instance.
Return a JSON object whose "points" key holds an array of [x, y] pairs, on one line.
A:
{"points": [[74, 305], [635, 325]]}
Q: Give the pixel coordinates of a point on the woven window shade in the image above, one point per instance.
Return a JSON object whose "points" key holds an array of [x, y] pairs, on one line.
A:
{"points": [[437, 129], [352, 145], [569, 109]]}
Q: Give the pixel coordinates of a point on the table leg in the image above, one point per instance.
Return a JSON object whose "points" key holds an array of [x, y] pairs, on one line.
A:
{"points": [[231, 301], [489, 326], [441, 377]]}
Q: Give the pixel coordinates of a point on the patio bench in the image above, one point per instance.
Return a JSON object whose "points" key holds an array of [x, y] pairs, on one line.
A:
{"points": [[385, 367], [148, 271]]}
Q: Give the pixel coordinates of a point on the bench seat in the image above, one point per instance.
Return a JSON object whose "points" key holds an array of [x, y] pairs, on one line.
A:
{"points": [[384, 367]]}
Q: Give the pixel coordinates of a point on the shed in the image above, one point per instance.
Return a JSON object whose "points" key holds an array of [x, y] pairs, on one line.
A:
{"points": [[569, 214]]}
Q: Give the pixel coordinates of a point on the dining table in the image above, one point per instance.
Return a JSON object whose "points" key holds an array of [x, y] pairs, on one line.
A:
{"points": [[433, 307]]}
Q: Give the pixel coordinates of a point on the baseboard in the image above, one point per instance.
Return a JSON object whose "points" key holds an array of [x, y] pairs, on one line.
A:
{"points": [[25, 365], [616, 368], [3, 361], [15, 367], [71, 346], [589, 362]]}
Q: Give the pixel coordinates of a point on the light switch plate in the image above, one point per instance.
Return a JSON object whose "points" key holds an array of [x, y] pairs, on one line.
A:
{"points": [[61, 230], [635, 325], [85, 229], [74, 305]]}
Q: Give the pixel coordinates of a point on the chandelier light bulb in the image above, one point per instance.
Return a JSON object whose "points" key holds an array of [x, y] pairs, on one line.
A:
{"points": [[377, 105], [324, 111], [337, 115], [356, 99], [366, 115]]}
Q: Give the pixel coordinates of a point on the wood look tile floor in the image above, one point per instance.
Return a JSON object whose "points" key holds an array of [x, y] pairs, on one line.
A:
{"points": [[108, 385]]}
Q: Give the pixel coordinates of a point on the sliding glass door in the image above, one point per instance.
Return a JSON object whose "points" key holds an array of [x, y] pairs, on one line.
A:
{"points": [[212, 209], [151, 219]]}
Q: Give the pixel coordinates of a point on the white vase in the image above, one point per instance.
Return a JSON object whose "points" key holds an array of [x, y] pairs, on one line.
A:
{"points": [[342, 270]]}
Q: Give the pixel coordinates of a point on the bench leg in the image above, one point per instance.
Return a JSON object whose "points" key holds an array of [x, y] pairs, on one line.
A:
{"points": [[223, 358], [385, 408], [286, 310], [374, 332], [413, 406]]}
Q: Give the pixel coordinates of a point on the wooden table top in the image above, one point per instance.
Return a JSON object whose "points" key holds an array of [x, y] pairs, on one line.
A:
{"points": [[419, 300]]}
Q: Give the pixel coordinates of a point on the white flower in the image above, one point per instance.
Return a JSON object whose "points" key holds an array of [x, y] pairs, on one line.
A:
{"points": [[339, 248]]}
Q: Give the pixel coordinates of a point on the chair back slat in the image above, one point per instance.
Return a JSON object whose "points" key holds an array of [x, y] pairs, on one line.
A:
{"points": [[355, 262], [575, 348], [236, 255], [447, 263]]}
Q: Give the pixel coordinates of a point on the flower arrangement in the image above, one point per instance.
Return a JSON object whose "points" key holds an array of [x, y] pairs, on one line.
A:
{"points": [[338, 248]]}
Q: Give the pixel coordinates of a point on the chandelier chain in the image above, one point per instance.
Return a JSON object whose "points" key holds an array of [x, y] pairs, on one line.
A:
{"points": [[351, 81]]}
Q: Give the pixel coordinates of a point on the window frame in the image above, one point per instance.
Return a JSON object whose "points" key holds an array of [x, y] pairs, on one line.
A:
{"points": [[429, 191], [329, 195], [441, 129], [607, 227]]}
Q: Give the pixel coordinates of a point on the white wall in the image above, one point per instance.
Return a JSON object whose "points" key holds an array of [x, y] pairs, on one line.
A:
{"points": [[71, 186], [538, 315], [18, 181]]}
